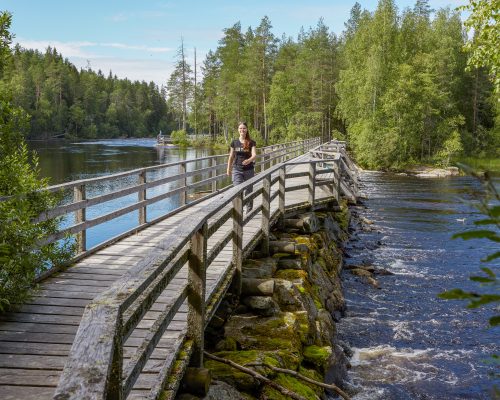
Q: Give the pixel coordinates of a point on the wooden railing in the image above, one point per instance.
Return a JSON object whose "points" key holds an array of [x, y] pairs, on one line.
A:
{"points": [[96, 368], [149, 185]]}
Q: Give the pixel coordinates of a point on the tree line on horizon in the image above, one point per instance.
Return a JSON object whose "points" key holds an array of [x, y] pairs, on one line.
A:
{"points": [[394, 84]]}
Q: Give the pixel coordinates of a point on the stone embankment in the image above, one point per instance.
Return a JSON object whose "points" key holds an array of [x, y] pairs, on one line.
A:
{"points": [[286, 315]]}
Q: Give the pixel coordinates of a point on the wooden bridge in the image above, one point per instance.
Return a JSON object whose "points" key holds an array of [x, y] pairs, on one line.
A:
{"points": [[128, 316]]}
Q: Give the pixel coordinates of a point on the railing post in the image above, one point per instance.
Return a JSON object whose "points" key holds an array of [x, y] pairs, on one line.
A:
{"points": [[214, 174], [336, 180], [237, 241], [196, 293], [312, 184], [266, 213], [114, 389], [183, 183], [281, 195], [80, 216], [142, 197]]}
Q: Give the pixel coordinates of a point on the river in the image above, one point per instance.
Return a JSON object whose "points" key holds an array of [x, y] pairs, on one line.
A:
{"points": [[407, 343], [62, 161]]}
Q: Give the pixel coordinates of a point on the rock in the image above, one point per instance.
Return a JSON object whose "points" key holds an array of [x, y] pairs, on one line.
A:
{"points": [[306, 223], [221, 390], [262, 305], [369, 268], [289, 263], [366, 221], [325, 328], [373, 282], [260, 269], [382, 271], [236, 378], [265, 333], [226, 344], [320, 356], [360, 272]]}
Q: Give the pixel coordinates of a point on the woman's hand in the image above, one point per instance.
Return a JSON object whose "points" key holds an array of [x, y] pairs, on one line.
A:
{"points": [[245, 162], [228, 172]]}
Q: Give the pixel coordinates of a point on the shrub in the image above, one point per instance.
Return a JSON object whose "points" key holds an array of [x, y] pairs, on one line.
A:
{"points": [[180, 138]]}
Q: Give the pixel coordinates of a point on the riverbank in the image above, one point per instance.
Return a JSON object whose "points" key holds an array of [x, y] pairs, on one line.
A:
{"points": [[286, 316]]}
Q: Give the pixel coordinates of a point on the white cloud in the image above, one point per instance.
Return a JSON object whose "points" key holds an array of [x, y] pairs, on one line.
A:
{"points": [[147, 70], [67, 49]]}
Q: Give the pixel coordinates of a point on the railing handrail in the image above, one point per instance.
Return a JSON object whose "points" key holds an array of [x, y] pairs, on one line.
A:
{"points": [[103, 317], [136, 171], [81, 202]]}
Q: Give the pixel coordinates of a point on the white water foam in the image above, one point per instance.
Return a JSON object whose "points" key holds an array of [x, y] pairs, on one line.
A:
{"points": [[402, 330]]}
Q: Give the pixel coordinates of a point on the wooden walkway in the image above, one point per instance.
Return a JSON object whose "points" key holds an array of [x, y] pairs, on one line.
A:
{"points": [[36, 340]]}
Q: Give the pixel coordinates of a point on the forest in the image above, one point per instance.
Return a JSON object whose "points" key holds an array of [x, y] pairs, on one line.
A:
{"points": [[395, 84]]}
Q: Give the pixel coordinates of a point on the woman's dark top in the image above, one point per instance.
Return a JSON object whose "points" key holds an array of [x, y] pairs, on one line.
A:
{"points": [[241, 155]]}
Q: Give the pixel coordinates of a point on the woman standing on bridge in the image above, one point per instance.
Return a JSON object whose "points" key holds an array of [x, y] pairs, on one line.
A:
{"points": [[242, 155]]}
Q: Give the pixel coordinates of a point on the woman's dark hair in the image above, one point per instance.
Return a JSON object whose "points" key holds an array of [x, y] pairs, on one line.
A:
{"points": [[246, 142]]}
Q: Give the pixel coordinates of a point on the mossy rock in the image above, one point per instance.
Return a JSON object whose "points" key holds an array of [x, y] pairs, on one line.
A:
{"points": [[277, 332], [318, 356], [343, 217], [239, 379], [294, 384], [315, 375], [291, 274], [261, 268]]}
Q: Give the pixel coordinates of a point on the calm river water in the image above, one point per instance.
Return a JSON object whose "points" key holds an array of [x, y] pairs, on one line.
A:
{"points": [[64, 161], [407, 343]]}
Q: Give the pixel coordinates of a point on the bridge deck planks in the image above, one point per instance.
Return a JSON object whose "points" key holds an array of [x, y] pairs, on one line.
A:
{"points": [[36, 339]]}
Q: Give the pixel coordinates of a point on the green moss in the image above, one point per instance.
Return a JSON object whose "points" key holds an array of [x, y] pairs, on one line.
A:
{"points": [[312, 374], [296, 385], [237, 378], [281, 255], [301, 289], [342, 217], [317, 355], [291, 274]]}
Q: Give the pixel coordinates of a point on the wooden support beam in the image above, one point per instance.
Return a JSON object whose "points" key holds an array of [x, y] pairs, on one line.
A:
{"points": [[183, 180], [196, 294], [266, 213], [80, 216], [237, 241], [142, 196]]}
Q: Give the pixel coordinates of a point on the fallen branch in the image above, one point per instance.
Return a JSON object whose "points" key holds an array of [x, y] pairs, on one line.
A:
{"points": [[333, 387], [257, 376]]}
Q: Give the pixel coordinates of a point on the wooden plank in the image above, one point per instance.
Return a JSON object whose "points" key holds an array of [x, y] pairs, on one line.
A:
{"points": [[66, 294], [53, 310], [21, 377], [48, 349], [35, 337], [41, 318], [8, 392], [57, 301], [22, 361], [82, 276], [37, 327], [74, 288]]}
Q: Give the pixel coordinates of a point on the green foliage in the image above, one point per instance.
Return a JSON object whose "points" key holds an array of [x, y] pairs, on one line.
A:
{"points": [[484, 24], [488, 206], [80, 104], [22, 257], [180, 138]]}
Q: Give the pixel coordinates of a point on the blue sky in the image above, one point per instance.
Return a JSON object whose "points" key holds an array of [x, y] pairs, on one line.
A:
{"points": [[138, 39]]}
